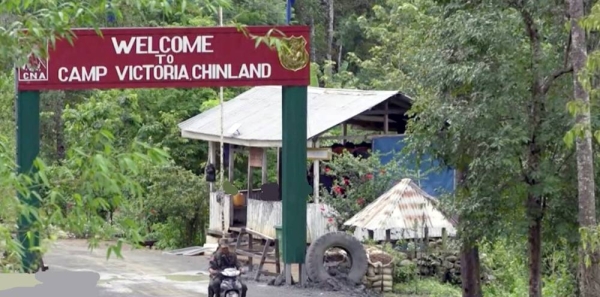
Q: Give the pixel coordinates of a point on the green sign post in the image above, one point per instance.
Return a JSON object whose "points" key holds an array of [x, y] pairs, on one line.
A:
{"points": [[293, 185], [28, 147]]}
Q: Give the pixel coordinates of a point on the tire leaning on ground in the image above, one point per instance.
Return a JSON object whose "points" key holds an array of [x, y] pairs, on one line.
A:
{"points": [[356, 252]]}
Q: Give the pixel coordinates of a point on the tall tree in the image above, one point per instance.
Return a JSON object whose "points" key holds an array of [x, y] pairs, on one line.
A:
{"points": [[589, 273], [487, 68]]}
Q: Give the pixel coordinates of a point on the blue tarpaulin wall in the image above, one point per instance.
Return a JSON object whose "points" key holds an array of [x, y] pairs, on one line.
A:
{"points": [[431, 180]]}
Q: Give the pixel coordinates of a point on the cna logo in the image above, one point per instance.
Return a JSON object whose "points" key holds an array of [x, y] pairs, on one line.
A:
{"points": [[36, 69]]}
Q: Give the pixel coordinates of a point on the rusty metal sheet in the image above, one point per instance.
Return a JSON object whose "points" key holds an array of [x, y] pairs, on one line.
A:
{"points": [[405, 209]]}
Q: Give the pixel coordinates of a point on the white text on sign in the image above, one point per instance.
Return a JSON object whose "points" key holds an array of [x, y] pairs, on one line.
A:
{"points": [[164, 48], [166, 45]]}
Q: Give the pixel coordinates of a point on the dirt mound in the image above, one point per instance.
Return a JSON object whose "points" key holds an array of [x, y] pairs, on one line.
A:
{"points": [[340, 284]]}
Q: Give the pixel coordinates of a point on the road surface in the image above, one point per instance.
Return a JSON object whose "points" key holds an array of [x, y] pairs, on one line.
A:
{"points": [[151, 273]]}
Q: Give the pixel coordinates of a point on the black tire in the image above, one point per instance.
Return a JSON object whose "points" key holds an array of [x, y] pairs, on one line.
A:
{"points": [[314, 256]]}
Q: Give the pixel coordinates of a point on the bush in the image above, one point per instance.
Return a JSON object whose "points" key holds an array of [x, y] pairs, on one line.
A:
{"points": [[507, 264], [427, 287], [175, 207]]}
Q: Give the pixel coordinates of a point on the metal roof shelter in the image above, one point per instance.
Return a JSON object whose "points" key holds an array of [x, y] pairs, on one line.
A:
{"points": [[252, 125], [253, 119], [406, 210]]}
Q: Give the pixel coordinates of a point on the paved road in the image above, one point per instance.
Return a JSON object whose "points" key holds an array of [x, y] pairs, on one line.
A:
{"points": [[151, 273]]}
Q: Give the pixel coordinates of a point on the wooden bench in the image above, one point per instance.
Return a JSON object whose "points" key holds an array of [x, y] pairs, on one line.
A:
{"points": [[264, 255]]}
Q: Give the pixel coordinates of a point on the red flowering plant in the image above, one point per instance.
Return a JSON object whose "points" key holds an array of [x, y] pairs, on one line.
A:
{"points": [[359, 182]]}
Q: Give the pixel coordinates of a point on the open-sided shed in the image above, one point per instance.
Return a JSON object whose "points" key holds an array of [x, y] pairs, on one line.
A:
{"points": [[252, 124]]}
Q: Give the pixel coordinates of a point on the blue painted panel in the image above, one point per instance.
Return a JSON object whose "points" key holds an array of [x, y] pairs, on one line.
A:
{"points": [[432, 180]]}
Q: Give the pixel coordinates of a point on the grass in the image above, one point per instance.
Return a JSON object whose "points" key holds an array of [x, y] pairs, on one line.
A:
{"points": [[425, 288]]}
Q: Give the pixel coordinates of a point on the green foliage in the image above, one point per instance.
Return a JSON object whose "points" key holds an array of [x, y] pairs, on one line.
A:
{"points": [[98, 171], [427, 287], [74, 195], [505, 262], [154, 120], [176, 206], [7, 118], [257, 12], [367, 180], [145, 115]]}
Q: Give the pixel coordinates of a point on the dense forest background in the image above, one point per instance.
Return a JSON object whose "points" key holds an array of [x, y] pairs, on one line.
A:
{"points": [[495, 94]]}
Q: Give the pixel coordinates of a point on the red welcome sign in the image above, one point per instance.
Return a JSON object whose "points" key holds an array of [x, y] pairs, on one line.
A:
{"points": [[169, 58]]}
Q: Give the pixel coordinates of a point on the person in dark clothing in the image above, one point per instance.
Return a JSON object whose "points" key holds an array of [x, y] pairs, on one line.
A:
{"points": [[222, 259], [337, 148]]}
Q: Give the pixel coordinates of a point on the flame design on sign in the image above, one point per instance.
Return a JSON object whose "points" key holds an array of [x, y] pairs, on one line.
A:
{"points": [[294, 56]]}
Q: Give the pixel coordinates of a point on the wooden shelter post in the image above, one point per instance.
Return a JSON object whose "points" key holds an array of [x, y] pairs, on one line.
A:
{"points": [[231, 163], [386, 118], [278, 164], [212, 159], [264, 168], [316, 175], [250, 181]]}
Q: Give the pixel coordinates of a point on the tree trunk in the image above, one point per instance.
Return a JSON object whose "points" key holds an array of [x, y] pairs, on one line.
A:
{"points": [[534, 203], [339, 58], [330, 20], [59, 130], [469, 253], [469, 270], [313, 47], [534, 240], [589, 283], [535, 207]]}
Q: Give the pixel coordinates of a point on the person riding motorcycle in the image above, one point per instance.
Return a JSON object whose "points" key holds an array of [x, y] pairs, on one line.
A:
{"points": [[222, 259]]}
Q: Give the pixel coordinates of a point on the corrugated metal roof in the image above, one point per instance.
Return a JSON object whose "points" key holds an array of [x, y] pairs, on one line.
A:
{"points": [[256, 115], [404, 207]]}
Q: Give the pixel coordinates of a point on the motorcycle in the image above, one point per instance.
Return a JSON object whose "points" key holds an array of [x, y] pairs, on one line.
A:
{"points": [[230, 285]]}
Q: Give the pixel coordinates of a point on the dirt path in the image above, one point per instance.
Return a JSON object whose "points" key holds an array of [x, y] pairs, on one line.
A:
{"points": [[151, 273]]}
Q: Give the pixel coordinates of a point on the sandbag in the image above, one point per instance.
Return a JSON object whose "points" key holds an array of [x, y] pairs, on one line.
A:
{"points": [[385, 289], [371, 271], [380, 278], [380, 270], [378, 284], [386, 271]]}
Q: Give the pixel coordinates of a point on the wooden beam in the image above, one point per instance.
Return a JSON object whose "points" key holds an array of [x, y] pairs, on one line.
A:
{"points": [[231, 161], [375, 126], [257, 234], [316, 175], [264, 167], [211, 160], [382, 112], [399, 103], [367, 125], [356, 137], [377, 119], [250, 183], [386, 118]]}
